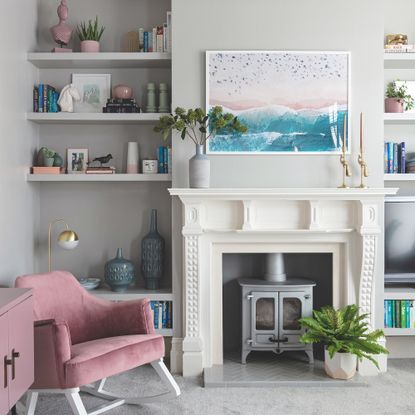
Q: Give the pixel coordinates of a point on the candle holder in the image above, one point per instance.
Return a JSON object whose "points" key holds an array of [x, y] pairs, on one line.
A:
{"points": [[346, 170], [364, 171]]}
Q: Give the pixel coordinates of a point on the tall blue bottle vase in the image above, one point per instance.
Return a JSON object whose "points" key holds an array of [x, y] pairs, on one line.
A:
{"points": [[152, 255]]}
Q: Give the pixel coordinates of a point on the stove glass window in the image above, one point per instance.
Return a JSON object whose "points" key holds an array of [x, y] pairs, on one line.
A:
{"points": [[265, 314], [291, 309]]}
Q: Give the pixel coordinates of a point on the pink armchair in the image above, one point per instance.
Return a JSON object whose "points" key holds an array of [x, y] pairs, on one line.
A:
{"points": [[80, 339]]}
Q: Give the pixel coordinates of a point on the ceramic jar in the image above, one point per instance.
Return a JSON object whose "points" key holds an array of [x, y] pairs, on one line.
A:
{"points": [[91, 46], [151, 97], [163, 98], [119, 272], [341, 365], [123, 92], [199, 169], [152, 255]]}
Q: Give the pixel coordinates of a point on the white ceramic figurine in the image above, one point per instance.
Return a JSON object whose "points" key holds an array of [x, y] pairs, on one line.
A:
{"points": [[68, 94]]}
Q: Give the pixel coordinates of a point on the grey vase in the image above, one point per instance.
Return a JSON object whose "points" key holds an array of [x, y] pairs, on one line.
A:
{"points": [[119, 272], [152, 255], [199, 169]]}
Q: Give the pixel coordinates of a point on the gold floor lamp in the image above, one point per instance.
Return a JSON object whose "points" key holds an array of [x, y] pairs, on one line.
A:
{"points": [[67, 239]]}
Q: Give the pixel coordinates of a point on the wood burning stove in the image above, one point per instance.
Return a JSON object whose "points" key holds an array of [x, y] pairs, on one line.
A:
{"points": [[270, 314]]}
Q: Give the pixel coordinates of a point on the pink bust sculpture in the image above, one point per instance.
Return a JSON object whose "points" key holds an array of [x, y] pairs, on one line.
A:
{"points": [[62, 32]]}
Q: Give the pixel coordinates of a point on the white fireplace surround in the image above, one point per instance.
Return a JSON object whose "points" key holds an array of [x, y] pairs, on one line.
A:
{"points": [[344, 222]]}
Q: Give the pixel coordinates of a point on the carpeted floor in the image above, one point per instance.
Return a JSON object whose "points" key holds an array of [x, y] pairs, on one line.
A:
{"points": [[392, 393]]}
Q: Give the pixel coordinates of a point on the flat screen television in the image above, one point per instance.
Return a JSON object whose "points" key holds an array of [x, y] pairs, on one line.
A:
{"points": [[400, 240]]}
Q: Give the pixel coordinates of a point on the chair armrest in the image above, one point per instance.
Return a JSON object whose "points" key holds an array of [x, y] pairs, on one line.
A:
{"points": [[130, 317], [52, 343]]}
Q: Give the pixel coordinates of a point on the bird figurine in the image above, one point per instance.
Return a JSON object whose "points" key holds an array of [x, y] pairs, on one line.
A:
{"points": [[102, 160]]}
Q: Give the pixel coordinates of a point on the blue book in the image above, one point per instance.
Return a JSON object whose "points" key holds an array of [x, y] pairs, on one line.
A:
{"points": [[390, 157], [385, 314], [402, 157], [395, 157], [156, 315], [161, 160], [165, 160], [145, 41], [164, 314], [385, 155], [40, 91], [390, 322], [408, 314]]}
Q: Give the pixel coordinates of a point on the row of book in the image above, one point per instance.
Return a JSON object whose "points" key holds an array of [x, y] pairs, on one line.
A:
{"points": [[45, 98], [162, 314], [158, 39], [164, 159], [399, 314], [394, 157], [121, 106]]}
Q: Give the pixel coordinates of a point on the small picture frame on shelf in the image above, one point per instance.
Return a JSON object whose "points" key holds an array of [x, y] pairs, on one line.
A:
{"points": [[94, 89], [77, 160]]}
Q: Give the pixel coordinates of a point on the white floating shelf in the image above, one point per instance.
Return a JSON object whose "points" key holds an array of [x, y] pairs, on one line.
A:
{"points": [[399, 332], [403, 293], [399, 60], [77, 60], [92, 118], [119, 177], [394, 118], [399, 177], [133, 294]]}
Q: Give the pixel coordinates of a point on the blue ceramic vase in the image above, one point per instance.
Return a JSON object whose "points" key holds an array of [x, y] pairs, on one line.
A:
{"points": [[152, 255], [119, 272]]}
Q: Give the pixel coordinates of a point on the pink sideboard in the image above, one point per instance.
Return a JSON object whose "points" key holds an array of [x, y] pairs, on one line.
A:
{"points": [[16, 345]]}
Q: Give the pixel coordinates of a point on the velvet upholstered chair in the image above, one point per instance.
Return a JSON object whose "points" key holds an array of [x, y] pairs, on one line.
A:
{"points": [[81, 340]]}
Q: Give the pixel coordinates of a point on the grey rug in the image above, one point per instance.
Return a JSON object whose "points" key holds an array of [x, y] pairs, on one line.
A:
{"points": [[392, 393]]}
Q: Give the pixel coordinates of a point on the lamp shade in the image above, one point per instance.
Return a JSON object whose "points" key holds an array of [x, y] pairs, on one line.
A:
{"points": [[68, 239]]}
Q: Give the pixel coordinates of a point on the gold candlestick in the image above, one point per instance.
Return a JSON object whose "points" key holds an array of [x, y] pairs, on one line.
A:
{"points": [[364, 171], [343, 161]]}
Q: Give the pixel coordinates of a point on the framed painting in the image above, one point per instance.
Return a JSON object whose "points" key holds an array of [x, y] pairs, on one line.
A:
{"points": [[94, 89], [291, 102]]}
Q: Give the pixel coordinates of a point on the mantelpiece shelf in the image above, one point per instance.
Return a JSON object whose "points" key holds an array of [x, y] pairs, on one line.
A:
{"points": [[399, 177], [403, 117], [92, 118], [119, 177], [105, 60]]}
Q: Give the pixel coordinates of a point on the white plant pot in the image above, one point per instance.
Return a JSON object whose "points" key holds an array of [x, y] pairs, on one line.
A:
{"points": [[341, 366], [199, 169]]}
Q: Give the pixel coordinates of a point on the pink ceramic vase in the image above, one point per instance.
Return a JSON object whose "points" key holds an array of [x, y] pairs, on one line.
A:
{"points": [[122, 92], [393, 105], [91, 46]]}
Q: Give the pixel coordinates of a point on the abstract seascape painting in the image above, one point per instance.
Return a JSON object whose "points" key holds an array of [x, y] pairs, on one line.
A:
{"points": [[291, 102]]}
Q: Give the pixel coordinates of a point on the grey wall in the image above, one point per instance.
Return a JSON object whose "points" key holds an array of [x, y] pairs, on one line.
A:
{"points": [[19, 208]]}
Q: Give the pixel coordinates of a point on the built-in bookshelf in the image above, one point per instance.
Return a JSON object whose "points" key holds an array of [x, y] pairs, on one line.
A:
{"points": [[399, 301]]}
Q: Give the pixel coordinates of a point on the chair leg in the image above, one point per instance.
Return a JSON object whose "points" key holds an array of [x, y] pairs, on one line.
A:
{"points": [[31, 402], [166, 377], [76, 403]]}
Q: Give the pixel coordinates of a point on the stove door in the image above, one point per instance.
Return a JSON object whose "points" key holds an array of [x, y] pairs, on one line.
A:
{"points": [[292, 306], [264, 319]]}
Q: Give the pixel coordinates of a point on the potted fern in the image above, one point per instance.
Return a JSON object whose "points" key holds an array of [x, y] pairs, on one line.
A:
{"points": [[90, 34], [199, 127], [346, 337], [397, 98]]}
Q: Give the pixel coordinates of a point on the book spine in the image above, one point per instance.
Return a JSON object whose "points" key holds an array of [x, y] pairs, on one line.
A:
{"points": [[408, 314], [152, 310], [156, 315], [393, 318], [385, 313], [145, 42], [160, 159], [170, 315], [45, 98], [165, 160], [150, 42], [35, 99], [154, 38], [390, 157], [40, 93], [50, 99], [403, 157], [390, 322], [403, 314], [413, 313], [141, 39], [385, 158], [165, 315], [159, 38], [165, 47], [160, 322], [169, 160], [397, 313], [395, 157], [168, 32]]}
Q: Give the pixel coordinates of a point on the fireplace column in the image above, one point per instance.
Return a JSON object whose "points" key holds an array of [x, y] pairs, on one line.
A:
{"points": [[192, 342]]}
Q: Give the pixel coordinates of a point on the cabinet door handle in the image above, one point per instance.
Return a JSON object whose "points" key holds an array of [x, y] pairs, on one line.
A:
{"points": [[7, 362], [15, 355]]}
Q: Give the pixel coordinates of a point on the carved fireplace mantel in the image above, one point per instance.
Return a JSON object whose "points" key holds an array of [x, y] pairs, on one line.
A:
{"points": [[274, 219]]}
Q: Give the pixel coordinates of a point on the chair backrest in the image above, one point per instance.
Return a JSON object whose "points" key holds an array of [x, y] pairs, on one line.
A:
{"points": [[59, 296]]}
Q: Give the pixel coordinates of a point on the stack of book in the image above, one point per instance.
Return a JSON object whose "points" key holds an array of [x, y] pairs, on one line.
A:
{"points": [[45, 98], [164, 159], [162, 314], [121, 106], [158, 39], [394, 158], [400, 48], [100, 170], [399, 314]]}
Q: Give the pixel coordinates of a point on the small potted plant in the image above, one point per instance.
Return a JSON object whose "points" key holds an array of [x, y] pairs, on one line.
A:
{"points": [[346, 337], [397, 98], [199, 127], [48, 157], [90, 34]]}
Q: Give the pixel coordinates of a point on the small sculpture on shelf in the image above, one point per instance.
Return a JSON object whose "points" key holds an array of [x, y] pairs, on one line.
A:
{"points": [[67, 96], [101, 160], [343, 161], [62, 32]]}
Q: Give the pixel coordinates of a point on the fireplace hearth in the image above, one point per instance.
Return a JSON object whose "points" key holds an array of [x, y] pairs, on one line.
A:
{"points": [[270, 314]]}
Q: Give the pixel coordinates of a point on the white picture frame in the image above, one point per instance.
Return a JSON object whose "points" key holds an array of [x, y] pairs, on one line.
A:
{"points": [[267, 144], [76, 160], [94, 90]]}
